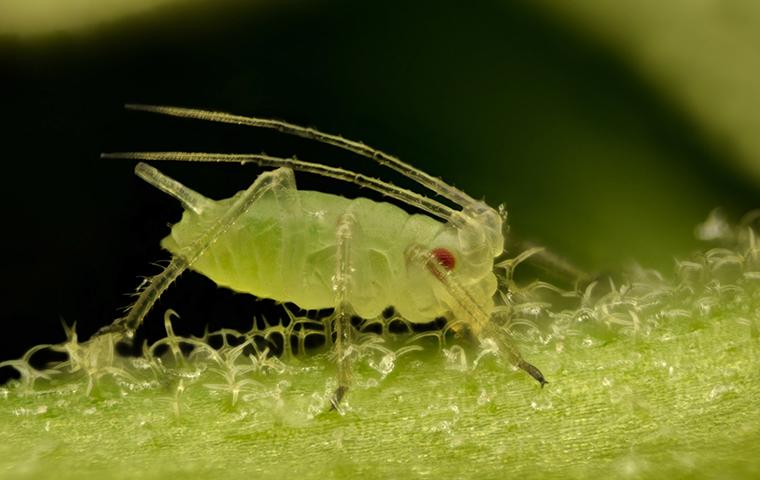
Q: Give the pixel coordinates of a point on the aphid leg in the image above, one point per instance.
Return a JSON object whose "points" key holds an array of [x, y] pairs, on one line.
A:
{"points": [[156, 285], [465, 307], [190, 199], [506, 345], [549, 263], [342, 315]]}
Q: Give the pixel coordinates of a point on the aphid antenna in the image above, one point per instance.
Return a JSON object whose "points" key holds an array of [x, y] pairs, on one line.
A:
{"points": [[428, 181], [154, 177]]}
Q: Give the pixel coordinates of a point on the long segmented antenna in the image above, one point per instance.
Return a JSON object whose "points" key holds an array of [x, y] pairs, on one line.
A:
{"points": [[435, 184], [401, 194]]}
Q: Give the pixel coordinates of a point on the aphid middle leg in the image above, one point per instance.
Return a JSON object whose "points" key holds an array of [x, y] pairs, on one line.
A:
{"points": [[342, 315], [156, 285]]}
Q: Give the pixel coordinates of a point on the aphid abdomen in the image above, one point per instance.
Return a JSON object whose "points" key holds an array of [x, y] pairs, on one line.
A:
{"points": [[243, 259]]}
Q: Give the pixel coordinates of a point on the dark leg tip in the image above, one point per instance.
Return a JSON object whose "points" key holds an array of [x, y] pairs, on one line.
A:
{"points": [[340, 392], [533, 372]]}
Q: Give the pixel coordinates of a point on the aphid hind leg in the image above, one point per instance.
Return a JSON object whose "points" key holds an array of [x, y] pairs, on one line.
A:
{"points": [[126, 326], [190, 199], [342, 315]]}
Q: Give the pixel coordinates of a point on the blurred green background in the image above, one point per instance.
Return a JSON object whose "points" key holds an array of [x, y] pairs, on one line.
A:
{"points": [[609, 133]]}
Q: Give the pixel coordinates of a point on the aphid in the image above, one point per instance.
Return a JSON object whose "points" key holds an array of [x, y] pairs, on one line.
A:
{"points": [[320, 250]]}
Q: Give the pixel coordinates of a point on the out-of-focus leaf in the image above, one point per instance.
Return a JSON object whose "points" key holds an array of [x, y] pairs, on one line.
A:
{"points": [[704, 55]]}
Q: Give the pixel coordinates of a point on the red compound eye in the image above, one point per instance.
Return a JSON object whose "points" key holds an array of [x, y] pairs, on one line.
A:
{"points": [[445, 258]]}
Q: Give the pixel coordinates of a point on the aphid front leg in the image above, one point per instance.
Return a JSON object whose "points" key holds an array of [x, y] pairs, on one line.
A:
{"points": [[342, 315], [507, 345], [470, 314]]}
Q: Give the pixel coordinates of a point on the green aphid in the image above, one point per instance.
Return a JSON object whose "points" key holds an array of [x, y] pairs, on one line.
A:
{"points": [[320, 250]]}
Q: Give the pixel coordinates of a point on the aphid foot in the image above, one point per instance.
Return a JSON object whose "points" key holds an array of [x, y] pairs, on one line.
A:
{"points": [[533, 372], [340, 392]]}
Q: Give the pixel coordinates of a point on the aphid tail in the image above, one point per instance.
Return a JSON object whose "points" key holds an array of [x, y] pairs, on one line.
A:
{"points": [[190, 199]]}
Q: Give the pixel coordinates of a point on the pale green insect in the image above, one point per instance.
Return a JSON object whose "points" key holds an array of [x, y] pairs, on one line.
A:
{"points": [[320, 250]]}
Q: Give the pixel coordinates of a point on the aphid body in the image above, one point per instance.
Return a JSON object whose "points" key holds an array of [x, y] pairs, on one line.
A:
{"points": [[320, 250], [285, 249]]}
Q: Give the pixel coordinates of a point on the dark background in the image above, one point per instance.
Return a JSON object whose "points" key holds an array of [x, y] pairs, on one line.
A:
{"points": [[505, 102]]}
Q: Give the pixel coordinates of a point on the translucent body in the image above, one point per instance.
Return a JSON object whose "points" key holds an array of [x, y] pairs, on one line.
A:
{"points": [[325, 251], [285, 249]]}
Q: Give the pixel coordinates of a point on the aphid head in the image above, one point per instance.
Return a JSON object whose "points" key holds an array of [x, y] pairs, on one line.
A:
{"points": [[481, 228], [460, 264], [468, 244]]}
